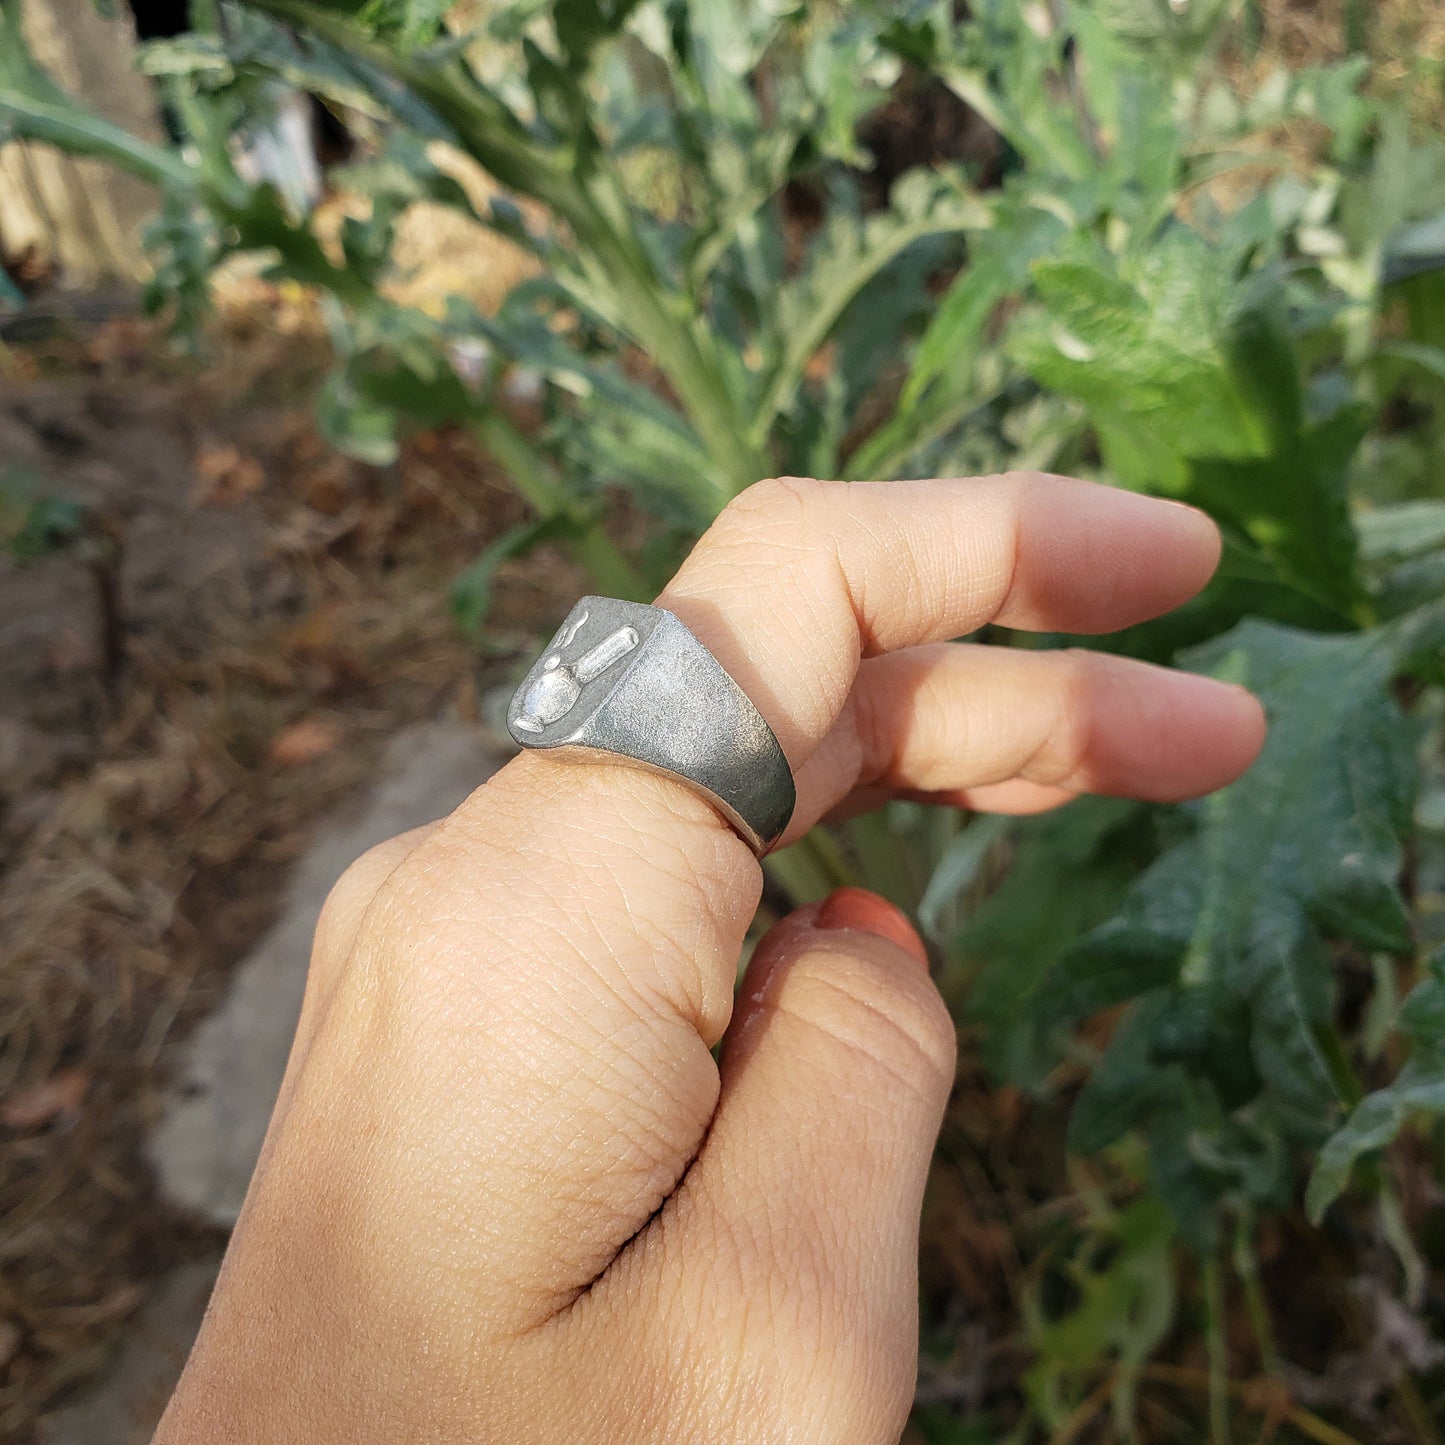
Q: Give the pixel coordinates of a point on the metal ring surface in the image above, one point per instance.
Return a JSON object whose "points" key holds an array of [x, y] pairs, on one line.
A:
{"points": [[630, 680]]}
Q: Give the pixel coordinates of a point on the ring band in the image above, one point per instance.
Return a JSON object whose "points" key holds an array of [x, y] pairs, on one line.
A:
{"points": [[630, 680]]}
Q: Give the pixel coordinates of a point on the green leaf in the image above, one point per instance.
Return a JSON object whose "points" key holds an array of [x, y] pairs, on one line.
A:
{"points": [[958, 869], [846, 256], [406, 23], [998, 265], [1144, 354], [1123, 1280], [1082, 859], [1418, 1089], [353, 425], [1126, 1085], [471, 593], [1224, 937], [34, 107], [34, 524], [1294, 505], [1401, 531]]}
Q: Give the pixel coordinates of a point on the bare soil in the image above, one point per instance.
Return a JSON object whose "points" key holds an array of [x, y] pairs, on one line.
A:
{"points": [[278, 613]]}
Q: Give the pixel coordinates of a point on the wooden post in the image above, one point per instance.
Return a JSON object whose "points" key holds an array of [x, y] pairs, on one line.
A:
{"points": [[82, 218]]}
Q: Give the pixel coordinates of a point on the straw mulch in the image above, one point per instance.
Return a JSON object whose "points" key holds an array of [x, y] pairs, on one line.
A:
{"points": [[283, 611]]}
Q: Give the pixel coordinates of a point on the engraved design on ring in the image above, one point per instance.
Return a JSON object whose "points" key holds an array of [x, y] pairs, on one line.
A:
{"points": [[630, 681]]}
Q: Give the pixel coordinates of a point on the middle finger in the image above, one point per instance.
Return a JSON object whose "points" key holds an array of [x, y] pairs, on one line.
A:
{"points": [[955, 716]]}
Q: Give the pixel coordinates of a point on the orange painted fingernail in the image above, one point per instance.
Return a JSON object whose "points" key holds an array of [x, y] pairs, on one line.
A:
{"points": [[868, 913]]}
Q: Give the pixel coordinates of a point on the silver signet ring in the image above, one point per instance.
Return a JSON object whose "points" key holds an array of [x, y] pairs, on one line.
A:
{"points": [[631, 680]]}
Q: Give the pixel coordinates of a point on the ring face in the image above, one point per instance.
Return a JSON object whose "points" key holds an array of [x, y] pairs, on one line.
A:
{"points": [[631, 680]]}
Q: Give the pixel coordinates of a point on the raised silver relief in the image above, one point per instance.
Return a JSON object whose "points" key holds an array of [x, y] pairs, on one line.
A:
{"points": [[661, 700], [554, 693]]}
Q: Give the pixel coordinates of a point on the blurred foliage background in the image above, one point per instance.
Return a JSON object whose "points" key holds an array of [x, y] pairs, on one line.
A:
{"points": [[614, 261]]}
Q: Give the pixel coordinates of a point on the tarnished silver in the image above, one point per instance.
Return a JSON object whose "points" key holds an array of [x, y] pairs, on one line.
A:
{"points": [[630, 680]]}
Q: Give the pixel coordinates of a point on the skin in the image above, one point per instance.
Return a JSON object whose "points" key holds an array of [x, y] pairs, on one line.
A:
{"points": [[507, 1193]]}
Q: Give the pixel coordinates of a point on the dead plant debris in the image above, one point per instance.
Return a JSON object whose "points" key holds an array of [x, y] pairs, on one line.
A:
{"points": [[283, 612]]}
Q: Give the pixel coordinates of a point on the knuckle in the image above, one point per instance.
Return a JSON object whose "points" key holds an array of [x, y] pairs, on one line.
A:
{"points": [[352, 894], [1065, 748], [773, 500]]}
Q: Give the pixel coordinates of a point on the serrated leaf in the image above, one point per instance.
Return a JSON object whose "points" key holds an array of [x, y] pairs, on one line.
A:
{"points": [[1081, 859], [1294, 503], [998, 266], [1225, 933], [1125, 1306], [1418, 1089], [847, 254], [1126, 1084], [1144, 354]]}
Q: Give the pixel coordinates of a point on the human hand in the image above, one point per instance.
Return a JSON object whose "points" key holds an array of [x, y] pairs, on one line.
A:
{"points": [[507, 1193]]}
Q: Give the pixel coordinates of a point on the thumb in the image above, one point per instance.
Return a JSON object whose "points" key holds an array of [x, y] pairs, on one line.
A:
{"points": [[808, 1191]]}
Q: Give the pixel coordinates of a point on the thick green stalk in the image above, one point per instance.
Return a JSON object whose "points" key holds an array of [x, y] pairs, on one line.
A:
{"points": [[809, 869], [594, 550], [493, 136], [1357, 27], [665, 333], [33, 107], [1348, 1088], [883, 859]]}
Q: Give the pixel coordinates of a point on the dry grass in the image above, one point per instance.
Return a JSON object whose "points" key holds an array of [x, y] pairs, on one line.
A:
{"points": [[136, 872], [1406, 39]]}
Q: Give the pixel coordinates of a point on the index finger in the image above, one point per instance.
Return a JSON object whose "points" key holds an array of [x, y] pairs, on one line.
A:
{"points": [[798, 580]]}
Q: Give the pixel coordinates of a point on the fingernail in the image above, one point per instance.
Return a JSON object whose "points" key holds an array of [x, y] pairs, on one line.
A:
{"points": [[868, 913]]}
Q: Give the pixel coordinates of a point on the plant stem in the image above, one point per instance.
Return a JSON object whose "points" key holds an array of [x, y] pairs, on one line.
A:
{"points": [[525, 469], [37, 109], [1346, 1081], [598, 554], [1218, 1353], [883, 859], [818, 326], [654, 314], [810, 869], [1246, 1267], [1086, 1411], [1303, 1420], [1413, 1408], [1357, 27]]}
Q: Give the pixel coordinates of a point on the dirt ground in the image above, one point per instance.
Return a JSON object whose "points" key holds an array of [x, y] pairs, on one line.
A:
{"points": [[279, 613]]}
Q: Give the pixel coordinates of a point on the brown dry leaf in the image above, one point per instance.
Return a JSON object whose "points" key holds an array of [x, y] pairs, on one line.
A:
{"points": [[304, 742], [328, 486], [121, 341], [227, 475], [316, 631], [61, 1093]]}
